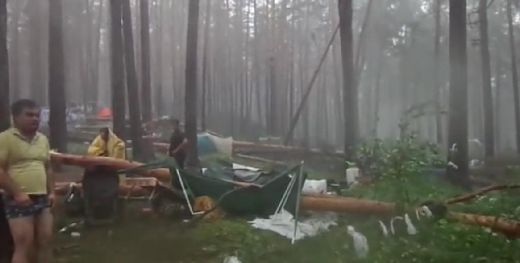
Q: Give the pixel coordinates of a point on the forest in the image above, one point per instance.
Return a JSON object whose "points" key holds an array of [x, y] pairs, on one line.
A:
{"points": [[422, 96]]}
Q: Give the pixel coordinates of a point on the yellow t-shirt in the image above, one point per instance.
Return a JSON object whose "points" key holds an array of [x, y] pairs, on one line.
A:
{"points": [[24, 160]]}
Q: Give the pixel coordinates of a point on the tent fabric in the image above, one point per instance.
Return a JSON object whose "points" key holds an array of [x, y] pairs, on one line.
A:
{"points": [[211, 144]]}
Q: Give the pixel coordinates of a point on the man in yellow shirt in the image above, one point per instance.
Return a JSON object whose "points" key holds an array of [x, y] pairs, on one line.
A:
{"points": [[26, 177]]}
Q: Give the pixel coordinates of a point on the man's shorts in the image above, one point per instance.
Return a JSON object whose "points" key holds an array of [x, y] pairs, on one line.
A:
{"points": [[13, 210]]}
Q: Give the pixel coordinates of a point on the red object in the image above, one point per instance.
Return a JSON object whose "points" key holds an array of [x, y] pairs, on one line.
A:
{"points": [[105, 113]]}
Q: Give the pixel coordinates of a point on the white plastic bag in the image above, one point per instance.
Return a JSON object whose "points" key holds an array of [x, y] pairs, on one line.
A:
{"points": [[314, 187]]}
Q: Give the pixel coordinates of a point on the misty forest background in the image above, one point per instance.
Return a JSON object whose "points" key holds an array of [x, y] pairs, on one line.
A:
{"points": [[254, 60]]}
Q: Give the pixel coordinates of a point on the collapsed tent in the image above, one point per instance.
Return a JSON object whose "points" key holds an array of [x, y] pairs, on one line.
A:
{"points": [[209, 143]]}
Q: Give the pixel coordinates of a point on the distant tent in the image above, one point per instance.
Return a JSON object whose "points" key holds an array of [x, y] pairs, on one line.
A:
{"points": [[208, 143], [104, 113]]}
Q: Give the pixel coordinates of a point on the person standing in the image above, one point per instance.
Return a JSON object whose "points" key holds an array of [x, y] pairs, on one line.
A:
{"points": [[26, 177], [178, 144], [107, 144]]}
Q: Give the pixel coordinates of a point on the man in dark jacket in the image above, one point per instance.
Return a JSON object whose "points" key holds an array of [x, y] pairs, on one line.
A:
{"points": [[178, 144]]}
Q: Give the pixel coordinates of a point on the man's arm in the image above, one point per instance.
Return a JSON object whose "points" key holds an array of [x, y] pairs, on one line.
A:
{"points": [[181, 146], [170, 146]]}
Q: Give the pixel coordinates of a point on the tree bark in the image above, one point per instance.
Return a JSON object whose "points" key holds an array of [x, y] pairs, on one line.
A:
{"points": [[359, 62], [487, 95], [117, 68], [458, 119], [436, 67], [205, 65], [4, 69], [158, 83], [37, 75], [138, 148], [146, 90], [191, 83], [57, 101], [498, 99], [349, 89], [514, 72]]}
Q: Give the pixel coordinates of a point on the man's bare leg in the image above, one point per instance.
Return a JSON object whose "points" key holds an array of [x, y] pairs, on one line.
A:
{"points": [[22, 230], [43, 231]]}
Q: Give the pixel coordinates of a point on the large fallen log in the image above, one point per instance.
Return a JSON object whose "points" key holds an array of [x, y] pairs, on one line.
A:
{"points": [[346, 205], [510, 228], [116, 164], [62, 189]]}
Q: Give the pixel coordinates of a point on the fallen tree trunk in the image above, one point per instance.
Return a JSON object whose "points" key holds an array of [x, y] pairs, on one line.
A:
{"points": [[62, 189], [346, 205], [509, 228], [483, 191], [116, 164]]}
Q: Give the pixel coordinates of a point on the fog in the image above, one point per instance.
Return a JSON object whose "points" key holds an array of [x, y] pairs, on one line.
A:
{"points": [[256, 58]]}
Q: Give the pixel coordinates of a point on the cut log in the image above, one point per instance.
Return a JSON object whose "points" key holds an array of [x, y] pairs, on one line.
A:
{"points": [[509, 228], [346, 205], [116, 164], [62, 189]]}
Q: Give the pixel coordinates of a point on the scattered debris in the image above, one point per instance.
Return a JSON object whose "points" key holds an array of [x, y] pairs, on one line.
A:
{"points": [[283, 224], [410, 228], [383, 228], [351, 175], [315, 187], [360, 242], [423, 211], [232, 259], [71, 226], [392, 221]]}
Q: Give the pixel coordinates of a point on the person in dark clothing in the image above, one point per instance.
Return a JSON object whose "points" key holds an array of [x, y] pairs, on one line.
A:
{"points": [[177, 144], [6, 240]]}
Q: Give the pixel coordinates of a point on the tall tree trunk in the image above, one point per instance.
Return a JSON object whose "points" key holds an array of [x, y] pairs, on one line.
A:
{"points": [[487, 95], [158, 83], [205, 76], [4, 69], [349, 89], [359, 62], [117, 68], [57, 101], [15, 50], [138, 148], [498, 98], [191, 83], [458, 119], [36, 52], [94, 49], [514, 72], [146, 89], [436, 67], [256, 65], [377, 92]]}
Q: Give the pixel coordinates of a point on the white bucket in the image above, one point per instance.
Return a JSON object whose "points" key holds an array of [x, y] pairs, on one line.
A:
{"points": [[351, 175]]}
